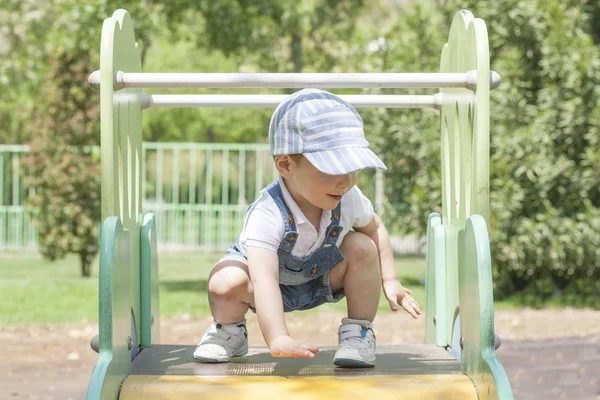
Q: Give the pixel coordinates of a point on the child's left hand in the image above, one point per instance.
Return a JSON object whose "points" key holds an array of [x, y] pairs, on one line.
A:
{"points": [[397, 294]]}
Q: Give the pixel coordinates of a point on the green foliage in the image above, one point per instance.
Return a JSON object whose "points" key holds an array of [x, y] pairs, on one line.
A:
{"points": [[177, 52], [545, 153], [282, 36], [22, 29], [64, 173], [238, 35], [545, 144], [53, 47], [408, 140], [545, 150], [62, 124]]}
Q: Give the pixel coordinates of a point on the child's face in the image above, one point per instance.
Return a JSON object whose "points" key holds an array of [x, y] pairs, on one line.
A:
{"points": [[321, 190]]}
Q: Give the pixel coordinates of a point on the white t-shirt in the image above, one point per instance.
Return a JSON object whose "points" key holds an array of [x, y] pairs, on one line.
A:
{"points": [[263, 223]]}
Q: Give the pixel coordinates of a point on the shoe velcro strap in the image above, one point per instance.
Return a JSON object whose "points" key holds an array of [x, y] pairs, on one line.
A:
{"points": [[348, 331]]}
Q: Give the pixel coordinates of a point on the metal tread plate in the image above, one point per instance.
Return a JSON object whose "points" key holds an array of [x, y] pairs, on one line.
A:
{"points": [[410, 372], [409, 359]]}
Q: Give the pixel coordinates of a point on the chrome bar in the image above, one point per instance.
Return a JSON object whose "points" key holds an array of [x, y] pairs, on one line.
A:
{"points": [[295, 80], [272, 100]]}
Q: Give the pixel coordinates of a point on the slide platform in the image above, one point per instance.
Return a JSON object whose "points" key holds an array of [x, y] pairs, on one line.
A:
{"points": [[415, 371]]}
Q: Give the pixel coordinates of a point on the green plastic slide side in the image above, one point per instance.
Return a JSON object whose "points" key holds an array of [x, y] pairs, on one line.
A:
{"points": [[114, 360], [121, 134], [478, 356], [464, 143], [435, 283], [119, 298], [149, 283]]}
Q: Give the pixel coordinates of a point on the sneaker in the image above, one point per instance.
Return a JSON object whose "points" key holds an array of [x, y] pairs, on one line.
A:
{"points": [[222, 342], [356, 344]]}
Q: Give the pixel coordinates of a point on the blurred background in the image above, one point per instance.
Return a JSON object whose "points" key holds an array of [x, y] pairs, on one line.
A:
{"points": [[202, 167]]}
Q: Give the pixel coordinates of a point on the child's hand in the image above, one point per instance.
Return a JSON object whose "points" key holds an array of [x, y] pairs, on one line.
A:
{"points": [[286, 346], [396, 294]]}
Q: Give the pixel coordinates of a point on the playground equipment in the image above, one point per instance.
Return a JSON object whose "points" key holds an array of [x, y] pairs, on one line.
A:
{"points": [[458, 360]]}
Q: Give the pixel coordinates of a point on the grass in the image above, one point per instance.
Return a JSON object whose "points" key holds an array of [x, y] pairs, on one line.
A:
{"points": [[183, 283], [33, 290]]}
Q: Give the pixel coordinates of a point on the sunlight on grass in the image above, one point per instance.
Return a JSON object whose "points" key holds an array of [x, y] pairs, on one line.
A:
{"points": [[183, 283], [33, 290]]}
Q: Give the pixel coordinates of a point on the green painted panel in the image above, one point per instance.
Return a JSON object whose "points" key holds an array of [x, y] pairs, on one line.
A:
{"points": [[121, 158], [114, 360], [478, 357], [435, 283], [464, 141], [150, 315], [121, 140]]}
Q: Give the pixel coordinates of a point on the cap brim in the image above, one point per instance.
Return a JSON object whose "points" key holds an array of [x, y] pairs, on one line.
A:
{"points": [[344, 160]]}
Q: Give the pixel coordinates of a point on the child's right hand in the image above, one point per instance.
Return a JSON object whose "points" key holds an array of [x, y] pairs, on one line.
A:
{"points": [[286, 346]]}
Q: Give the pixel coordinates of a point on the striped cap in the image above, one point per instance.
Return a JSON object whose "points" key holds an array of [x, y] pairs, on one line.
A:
{"points": [[325, 129]]}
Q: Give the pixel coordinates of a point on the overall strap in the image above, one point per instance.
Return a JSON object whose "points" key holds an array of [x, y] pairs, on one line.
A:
{"points": [[290, 234], [334, 229]]}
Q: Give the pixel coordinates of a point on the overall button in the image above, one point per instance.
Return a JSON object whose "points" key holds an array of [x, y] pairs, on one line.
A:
{"points": [[290, 219], [291, 238], [314, 271], [336, 215], [334, 232]]}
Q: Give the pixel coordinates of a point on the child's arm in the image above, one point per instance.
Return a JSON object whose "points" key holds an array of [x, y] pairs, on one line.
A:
{"points": [[263, 265], [395, 293]]}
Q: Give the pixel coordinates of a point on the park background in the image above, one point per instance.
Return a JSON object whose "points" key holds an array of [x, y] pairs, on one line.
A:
{"points": [[203, 166]]}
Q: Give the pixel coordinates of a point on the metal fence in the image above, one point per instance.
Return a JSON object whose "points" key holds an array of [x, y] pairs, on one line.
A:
{"points": [[198, 191], [16, 229]]}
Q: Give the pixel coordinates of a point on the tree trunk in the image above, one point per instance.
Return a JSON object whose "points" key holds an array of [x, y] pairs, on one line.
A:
{"points": [[210, 133], [296, 49], [86, 264]]}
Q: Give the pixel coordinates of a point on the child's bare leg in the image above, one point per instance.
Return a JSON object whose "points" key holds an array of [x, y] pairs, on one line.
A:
{"points": [[359, 275], [230, 291]]}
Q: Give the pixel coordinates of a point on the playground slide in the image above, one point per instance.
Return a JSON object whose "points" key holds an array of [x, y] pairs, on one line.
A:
{"points": [[458, 359]]}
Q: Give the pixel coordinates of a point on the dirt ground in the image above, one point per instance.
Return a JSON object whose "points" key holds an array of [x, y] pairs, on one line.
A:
{"points": [[55, 362]]}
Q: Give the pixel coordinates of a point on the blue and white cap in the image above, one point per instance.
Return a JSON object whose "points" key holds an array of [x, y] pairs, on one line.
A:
{"points": [[325, 129]]}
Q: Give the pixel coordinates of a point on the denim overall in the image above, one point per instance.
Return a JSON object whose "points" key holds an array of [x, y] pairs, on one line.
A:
{"points": [[304, 282]]}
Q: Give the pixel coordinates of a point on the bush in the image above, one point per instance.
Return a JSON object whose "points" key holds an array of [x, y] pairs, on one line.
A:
{"points": [[545, 146]]}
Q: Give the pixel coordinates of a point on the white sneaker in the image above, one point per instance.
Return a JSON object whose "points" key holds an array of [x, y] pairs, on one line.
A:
{"points": [[221, 342], [356, 344]]}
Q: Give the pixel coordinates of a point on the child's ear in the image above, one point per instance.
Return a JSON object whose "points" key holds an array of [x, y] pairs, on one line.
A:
{"points": [[283, 163]]}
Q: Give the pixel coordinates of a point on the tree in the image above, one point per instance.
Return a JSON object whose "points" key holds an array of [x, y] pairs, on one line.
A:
{"points": [[281, 36], [63, 122], [248, 36], [545, 153], [546, 139], [65, 172], [61, 116], [22, 28], [409, 139]]}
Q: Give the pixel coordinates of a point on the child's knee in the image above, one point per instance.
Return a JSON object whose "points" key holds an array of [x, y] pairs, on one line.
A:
{"points": [[228, 281], [358, 247]]}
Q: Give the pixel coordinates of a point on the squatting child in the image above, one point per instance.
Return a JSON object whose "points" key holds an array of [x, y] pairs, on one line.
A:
{"points": [[310, 238]]}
